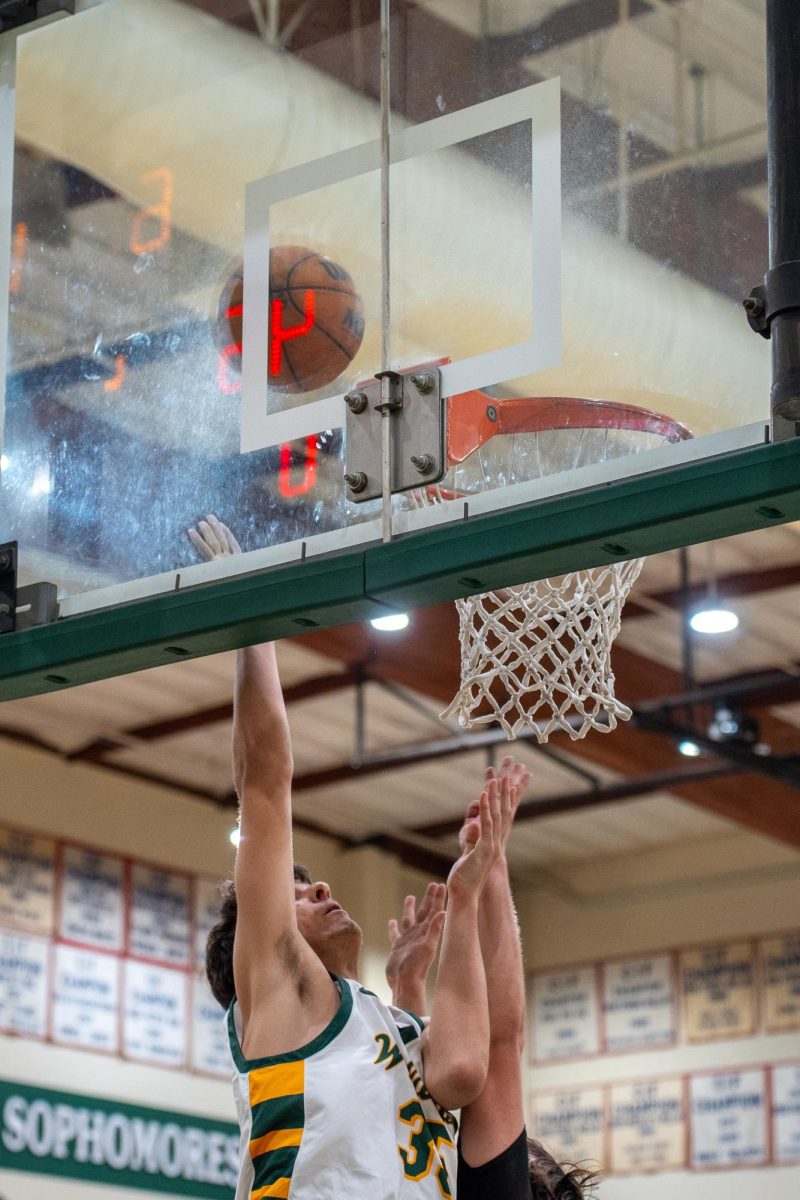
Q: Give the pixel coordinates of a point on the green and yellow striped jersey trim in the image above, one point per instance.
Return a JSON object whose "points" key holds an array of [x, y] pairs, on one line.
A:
{"points": [[276, 1088], [277, 1103]]}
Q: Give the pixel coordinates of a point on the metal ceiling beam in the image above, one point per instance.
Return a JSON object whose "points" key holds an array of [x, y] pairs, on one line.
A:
{"points": [[403, 756], [758, 690], [306, 689], [737, 583], [426, 858], [784, 769], [624, 789], [570, 23], [427, 660], [150, 777]]}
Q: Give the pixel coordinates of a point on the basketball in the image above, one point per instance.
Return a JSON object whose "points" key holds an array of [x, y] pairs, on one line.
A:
{"points": [[316, 319]]}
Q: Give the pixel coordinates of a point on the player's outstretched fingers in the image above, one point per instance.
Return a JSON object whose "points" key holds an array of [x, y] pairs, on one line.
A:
{"points": [[438, 902], [496, 814], [470, 817], [409, 912], [490, 817], [200, 546], [473, 828], [520, 777], [216, 545], [224, 536], [506, 810], [394, 931], [429, 903], [436, 926]]}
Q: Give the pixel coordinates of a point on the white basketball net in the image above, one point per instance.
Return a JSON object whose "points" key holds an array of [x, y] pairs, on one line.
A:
{"points": [[538, 657]]}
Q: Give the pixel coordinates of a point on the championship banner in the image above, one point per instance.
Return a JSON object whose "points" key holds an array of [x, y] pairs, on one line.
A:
{"points": [[155, 1020], [729, 1119], [160, 916], [206, 915], [86, 999], [718, 991], [786, 1114], [572, 1125], [71, 1136], [210, 1050], [566, 1014], [639, 1002], [23, 995], [648, 1127], [27, 881], [780, 961], [92, 909]]}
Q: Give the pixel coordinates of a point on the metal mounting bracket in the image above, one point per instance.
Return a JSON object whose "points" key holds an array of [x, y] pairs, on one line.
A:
{"points": [[414, 401], [780, 292], [37, 604], [23, 607], [8, 587]]}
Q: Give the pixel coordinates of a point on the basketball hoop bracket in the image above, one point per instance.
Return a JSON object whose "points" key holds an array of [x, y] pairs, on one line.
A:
{"points": [[417, 413], [8, 587]]}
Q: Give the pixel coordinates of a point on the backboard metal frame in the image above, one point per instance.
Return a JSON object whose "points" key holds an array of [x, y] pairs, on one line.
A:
{"points": [[746, 489]]}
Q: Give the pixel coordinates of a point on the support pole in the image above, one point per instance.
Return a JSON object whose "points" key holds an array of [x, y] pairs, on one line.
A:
{"points": [[783, 115]]}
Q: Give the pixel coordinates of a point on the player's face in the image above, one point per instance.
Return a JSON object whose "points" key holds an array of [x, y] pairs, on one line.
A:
{"points": [[323, 922]]}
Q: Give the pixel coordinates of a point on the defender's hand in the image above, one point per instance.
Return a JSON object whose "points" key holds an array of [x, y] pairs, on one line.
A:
{"points": [[415, 939]]}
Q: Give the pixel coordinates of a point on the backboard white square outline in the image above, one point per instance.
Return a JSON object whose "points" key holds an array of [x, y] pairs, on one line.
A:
{"points": [[541, 105]]}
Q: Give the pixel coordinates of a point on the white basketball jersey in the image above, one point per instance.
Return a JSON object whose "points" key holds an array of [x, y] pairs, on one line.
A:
{"points": [[346, 1117]]}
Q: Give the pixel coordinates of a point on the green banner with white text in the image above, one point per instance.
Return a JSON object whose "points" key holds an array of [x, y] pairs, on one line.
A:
{"points": [[126, 1145]]}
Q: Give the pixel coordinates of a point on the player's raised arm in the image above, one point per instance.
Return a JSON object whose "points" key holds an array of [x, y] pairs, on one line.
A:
{"points": [[272, 964], [496, 1118], [456, 1041]]}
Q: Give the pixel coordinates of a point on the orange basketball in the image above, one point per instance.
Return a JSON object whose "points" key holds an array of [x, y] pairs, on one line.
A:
{"points": [[316, 319]]}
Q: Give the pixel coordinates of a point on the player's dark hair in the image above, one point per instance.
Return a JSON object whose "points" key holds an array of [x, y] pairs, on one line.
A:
{"points": [[219, 946], [554, 1181]]}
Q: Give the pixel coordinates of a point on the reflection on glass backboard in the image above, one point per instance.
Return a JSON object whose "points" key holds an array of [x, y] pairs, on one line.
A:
{"points": [[213, 239]]}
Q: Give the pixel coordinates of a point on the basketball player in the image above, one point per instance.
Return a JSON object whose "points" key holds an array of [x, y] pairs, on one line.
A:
{"points": [[337, 1094], [497, 1161]]}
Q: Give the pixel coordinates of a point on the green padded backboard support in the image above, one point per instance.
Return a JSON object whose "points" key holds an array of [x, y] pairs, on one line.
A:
{"points": [[735, 493]]}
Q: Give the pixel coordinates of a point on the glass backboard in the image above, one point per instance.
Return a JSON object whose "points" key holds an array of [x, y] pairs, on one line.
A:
{"points": [[225, 216]]}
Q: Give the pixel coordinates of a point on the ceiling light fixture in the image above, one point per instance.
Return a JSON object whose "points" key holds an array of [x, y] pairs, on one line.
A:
{"points": [[713, 616], [716, 619], [689, 748], [731, 725], [391, 624]]}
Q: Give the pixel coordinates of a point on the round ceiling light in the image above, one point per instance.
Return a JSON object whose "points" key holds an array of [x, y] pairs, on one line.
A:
{"points": [[713, 620], [390, 624]]}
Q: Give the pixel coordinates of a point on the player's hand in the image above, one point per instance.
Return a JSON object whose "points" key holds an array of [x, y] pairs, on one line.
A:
{"points": [[213, 540], [414, 940], [480, 840], [515, 778], [518, 777]]}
